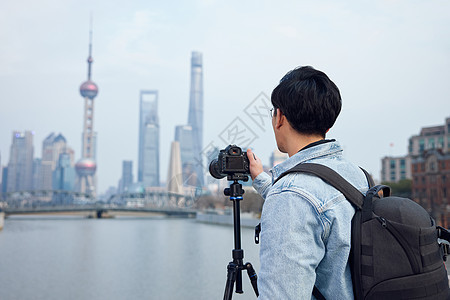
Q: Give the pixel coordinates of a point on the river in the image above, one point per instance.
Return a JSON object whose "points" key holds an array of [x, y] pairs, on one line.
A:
{"points": [[122, 258]]}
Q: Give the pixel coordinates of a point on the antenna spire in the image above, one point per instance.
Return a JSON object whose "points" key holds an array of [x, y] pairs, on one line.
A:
{"points": [[90, 60]]}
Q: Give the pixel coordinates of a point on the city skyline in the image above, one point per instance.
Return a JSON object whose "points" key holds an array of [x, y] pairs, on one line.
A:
{"points": [[390, 61]]}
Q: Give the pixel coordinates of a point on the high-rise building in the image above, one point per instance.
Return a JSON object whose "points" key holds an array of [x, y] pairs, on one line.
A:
{"points": [[37, 174], [184, 136], [431, 184], [148, 162], [86, 166], [174, 176], [63, 180], [1, 178], [52, 147], [195, 118], [64, 173], [427, 165], [394, 169], [1, 174], [434, 137], [20, 166], [4, 180], [127, 176]]}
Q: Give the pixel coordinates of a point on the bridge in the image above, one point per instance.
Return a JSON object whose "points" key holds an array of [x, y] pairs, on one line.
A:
{"points": [[99, 211], [64, 202]]}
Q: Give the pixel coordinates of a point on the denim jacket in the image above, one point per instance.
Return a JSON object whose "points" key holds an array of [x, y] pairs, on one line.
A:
{"points": [[306, 228]]}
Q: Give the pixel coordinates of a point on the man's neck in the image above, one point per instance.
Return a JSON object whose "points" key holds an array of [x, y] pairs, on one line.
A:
{"points": [[299, 141]]}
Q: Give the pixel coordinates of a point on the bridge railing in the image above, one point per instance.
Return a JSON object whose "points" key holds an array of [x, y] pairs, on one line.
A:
{"points": [[44, 198]]}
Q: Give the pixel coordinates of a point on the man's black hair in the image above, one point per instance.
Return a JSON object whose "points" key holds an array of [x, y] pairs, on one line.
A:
{"points": [[310, 101]]}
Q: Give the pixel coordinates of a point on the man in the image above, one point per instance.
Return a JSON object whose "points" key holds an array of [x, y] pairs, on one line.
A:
{"points": [[305, 223]]}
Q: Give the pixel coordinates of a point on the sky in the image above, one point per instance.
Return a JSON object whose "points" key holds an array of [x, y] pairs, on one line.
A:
{"points": [[390, 60]]}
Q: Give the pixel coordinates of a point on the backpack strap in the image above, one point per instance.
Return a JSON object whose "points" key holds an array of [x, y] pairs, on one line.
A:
{"points": [[316, 293], [352, 194], [369, 178], [443, 233]]}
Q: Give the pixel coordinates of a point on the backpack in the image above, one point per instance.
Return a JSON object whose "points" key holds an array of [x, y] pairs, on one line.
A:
{"points": [[395, 252]]}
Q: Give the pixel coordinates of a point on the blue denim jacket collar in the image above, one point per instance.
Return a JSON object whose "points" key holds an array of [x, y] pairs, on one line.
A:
{"points": [[332, 147]]}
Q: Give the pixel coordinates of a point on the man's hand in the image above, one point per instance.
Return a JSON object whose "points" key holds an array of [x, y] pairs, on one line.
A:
{"points": [[256, 166]]}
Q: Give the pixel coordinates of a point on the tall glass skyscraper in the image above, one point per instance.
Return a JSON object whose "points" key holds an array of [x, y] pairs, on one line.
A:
{"points": [[20, 166], [148, 164], [52, 147], [195, 118], [184, 135], [127, 176], [64, 173]]}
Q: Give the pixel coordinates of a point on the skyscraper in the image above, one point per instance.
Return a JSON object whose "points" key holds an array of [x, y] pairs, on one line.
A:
{"points": [[148, 168], [52, 147], [195, 118], [37, 174], [4, 180], [86, 166], [127, 176], [63, 179], [184, 136], [64, 173], [1, 170], [174, 177], [20, 166]]}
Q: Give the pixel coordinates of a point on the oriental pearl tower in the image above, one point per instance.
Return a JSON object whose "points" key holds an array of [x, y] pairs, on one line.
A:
{"points": [[86, 166]]}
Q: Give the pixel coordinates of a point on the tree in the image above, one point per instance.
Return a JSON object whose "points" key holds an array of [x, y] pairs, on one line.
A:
{"points": [[401, 188]]}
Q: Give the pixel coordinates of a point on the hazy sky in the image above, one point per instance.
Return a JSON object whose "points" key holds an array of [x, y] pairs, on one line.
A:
{"points": [[390, 59]]}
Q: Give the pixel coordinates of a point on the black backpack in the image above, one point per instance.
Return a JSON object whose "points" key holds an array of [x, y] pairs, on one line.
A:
{"points": [[395, 252]]}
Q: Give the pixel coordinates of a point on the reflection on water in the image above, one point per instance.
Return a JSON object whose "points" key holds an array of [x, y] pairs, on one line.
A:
{"points": [[123, 258]]}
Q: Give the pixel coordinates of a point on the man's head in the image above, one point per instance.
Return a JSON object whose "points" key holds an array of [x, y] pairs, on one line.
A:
{"points": [[308, 99]]}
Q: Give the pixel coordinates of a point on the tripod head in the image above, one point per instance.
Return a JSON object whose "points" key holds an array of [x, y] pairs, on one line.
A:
{"points": [[235, 190]]}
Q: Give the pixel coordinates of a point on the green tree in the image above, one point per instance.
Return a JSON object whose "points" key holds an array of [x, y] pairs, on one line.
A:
{"points": [[401, 188]]}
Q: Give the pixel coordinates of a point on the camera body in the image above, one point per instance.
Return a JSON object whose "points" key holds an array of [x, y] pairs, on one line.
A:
{"points": [[232, 162]]}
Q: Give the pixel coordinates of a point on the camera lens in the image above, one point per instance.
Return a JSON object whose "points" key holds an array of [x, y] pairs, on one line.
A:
{"points": [[214, 169]]}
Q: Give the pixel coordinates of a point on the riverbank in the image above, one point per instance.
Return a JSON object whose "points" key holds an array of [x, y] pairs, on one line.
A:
{"points": [[2, 219], [226, 218]]}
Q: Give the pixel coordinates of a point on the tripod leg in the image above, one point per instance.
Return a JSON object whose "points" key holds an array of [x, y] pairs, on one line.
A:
{"points": [[253, 277], [232, 270]]}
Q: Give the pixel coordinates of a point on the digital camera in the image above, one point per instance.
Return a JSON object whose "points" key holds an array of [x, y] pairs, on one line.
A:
{"points": [[231, 162]]}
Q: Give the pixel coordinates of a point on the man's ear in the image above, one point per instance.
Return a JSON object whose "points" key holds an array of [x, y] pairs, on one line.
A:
{"points": [[280, 119]]}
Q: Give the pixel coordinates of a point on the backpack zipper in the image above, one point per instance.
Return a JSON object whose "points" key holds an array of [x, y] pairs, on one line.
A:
{"points": [[402, 241]]}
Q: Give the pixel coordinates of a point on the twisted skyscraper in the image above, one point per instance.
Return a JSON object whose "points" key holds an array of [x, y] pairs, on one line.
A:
{"points": [[86, 166], [195, 118]]}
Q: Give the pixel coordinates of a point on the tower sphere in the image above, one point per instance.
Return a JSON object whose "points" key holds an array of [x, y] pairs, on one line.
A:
{"points": [[88, 89], [85, 167]]}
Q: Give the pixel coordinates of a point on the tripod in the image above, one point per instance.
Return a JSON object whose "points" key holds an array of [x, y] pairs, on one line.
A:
{"points": [[235, 267]]}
